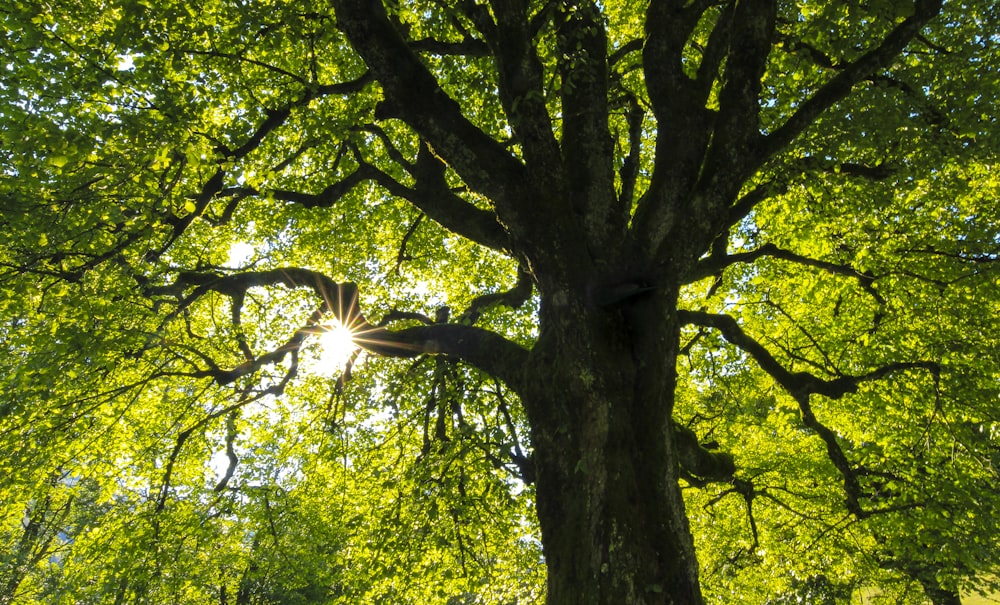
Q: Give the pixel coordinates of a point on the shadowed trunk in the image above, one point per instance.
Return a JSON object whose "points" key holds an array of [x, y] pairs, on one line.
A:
{"points": [[613, 522]]}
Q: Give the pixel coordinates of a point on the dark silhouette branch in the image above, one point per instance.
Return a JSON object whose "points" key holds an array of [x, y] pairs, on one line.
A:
{"points": [[797, 384], [713, 264], [481, 348], [802, 385], [745, 204], [274, 118], [430, 195], [840, 85], [513, 298], [486, 350], [413, 95]]}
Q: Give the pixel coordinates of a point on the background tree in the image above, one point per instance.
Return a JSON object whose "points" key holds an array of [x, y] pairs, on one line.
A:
{"points": [[594, 252]]}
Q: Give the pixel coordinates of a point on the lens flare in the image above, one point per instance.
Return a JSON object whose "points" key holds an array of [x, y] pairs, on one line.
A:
{"points": [[336, 345]]}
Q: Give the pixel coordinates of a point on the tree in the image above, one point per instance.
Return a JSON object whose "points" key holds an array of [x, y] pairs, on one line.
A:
{"points": [[616, 250]]}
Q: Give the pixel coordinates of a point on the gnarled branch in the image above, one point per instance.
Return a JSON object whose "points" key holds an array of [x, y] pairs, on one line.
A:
{"points": [[482, 348], [801, 385]]}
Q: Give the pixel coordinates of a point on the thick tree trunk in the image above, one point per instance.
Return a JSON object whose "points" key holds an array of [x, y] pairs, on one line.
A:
{"points": [[600, 400]]}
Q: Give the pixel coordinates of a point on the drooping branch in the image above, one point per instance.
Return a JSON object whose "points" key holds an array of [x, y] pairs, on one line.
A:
{"points": [[802, 385], [798, 384], [339, 299]]}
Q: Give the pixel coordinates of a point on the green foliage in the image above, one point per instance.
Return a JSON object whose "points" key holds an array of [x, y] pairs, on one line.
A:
{"points": [[146, 145]]}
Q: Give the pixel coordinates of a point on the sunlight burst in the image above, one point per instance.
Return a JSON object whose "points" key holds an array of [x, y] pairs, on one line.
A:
{"points": [[336, 345]]}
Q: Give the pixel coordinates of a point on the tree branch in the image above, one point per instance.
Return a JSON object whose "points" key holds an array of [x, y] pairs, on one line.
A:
{"points": [[431, 196], [850, 74], [629, 171], [745, 204], [713, 264], [700, 465], [587, 145], [522, 90], [513, 298], [413, 95], [683, 124], [486, 350], [468, 47], [798, 384], [801, 385], [737, 126], [273, 120]]}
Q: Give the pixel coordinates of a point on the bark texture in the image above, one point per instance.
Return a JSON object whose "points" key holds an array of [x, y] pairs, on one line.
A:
{"points": [[599, 397]]}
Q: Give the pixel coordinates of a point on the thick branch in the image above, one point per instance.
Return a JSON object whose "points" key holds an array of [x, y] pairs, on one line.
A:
{"points": [[587, 146], [486, 350], [413, 95], [683, 124], [431, 196], [513, 298], [699, 464], [522, 90], [669, 24], [736, 130]]}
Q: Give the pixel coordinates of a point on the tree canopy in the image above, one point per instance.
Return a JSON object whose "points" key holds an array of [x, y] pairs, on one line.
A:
{"points": [[666, 302]]}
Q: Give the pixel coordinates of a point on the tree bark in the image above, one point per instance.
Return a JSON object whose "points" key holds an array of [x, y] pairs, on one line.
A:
{"points": [[599, 395]]}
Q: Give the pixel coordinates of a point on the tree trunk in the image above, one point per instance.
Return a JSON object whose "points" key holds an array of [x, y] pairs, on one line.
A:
{"points": [[599, 398]]}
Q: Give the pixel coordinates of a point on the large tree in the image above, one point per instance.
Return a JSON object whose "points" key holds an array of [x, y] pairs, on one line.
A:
{"points": [[595, 252]]}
